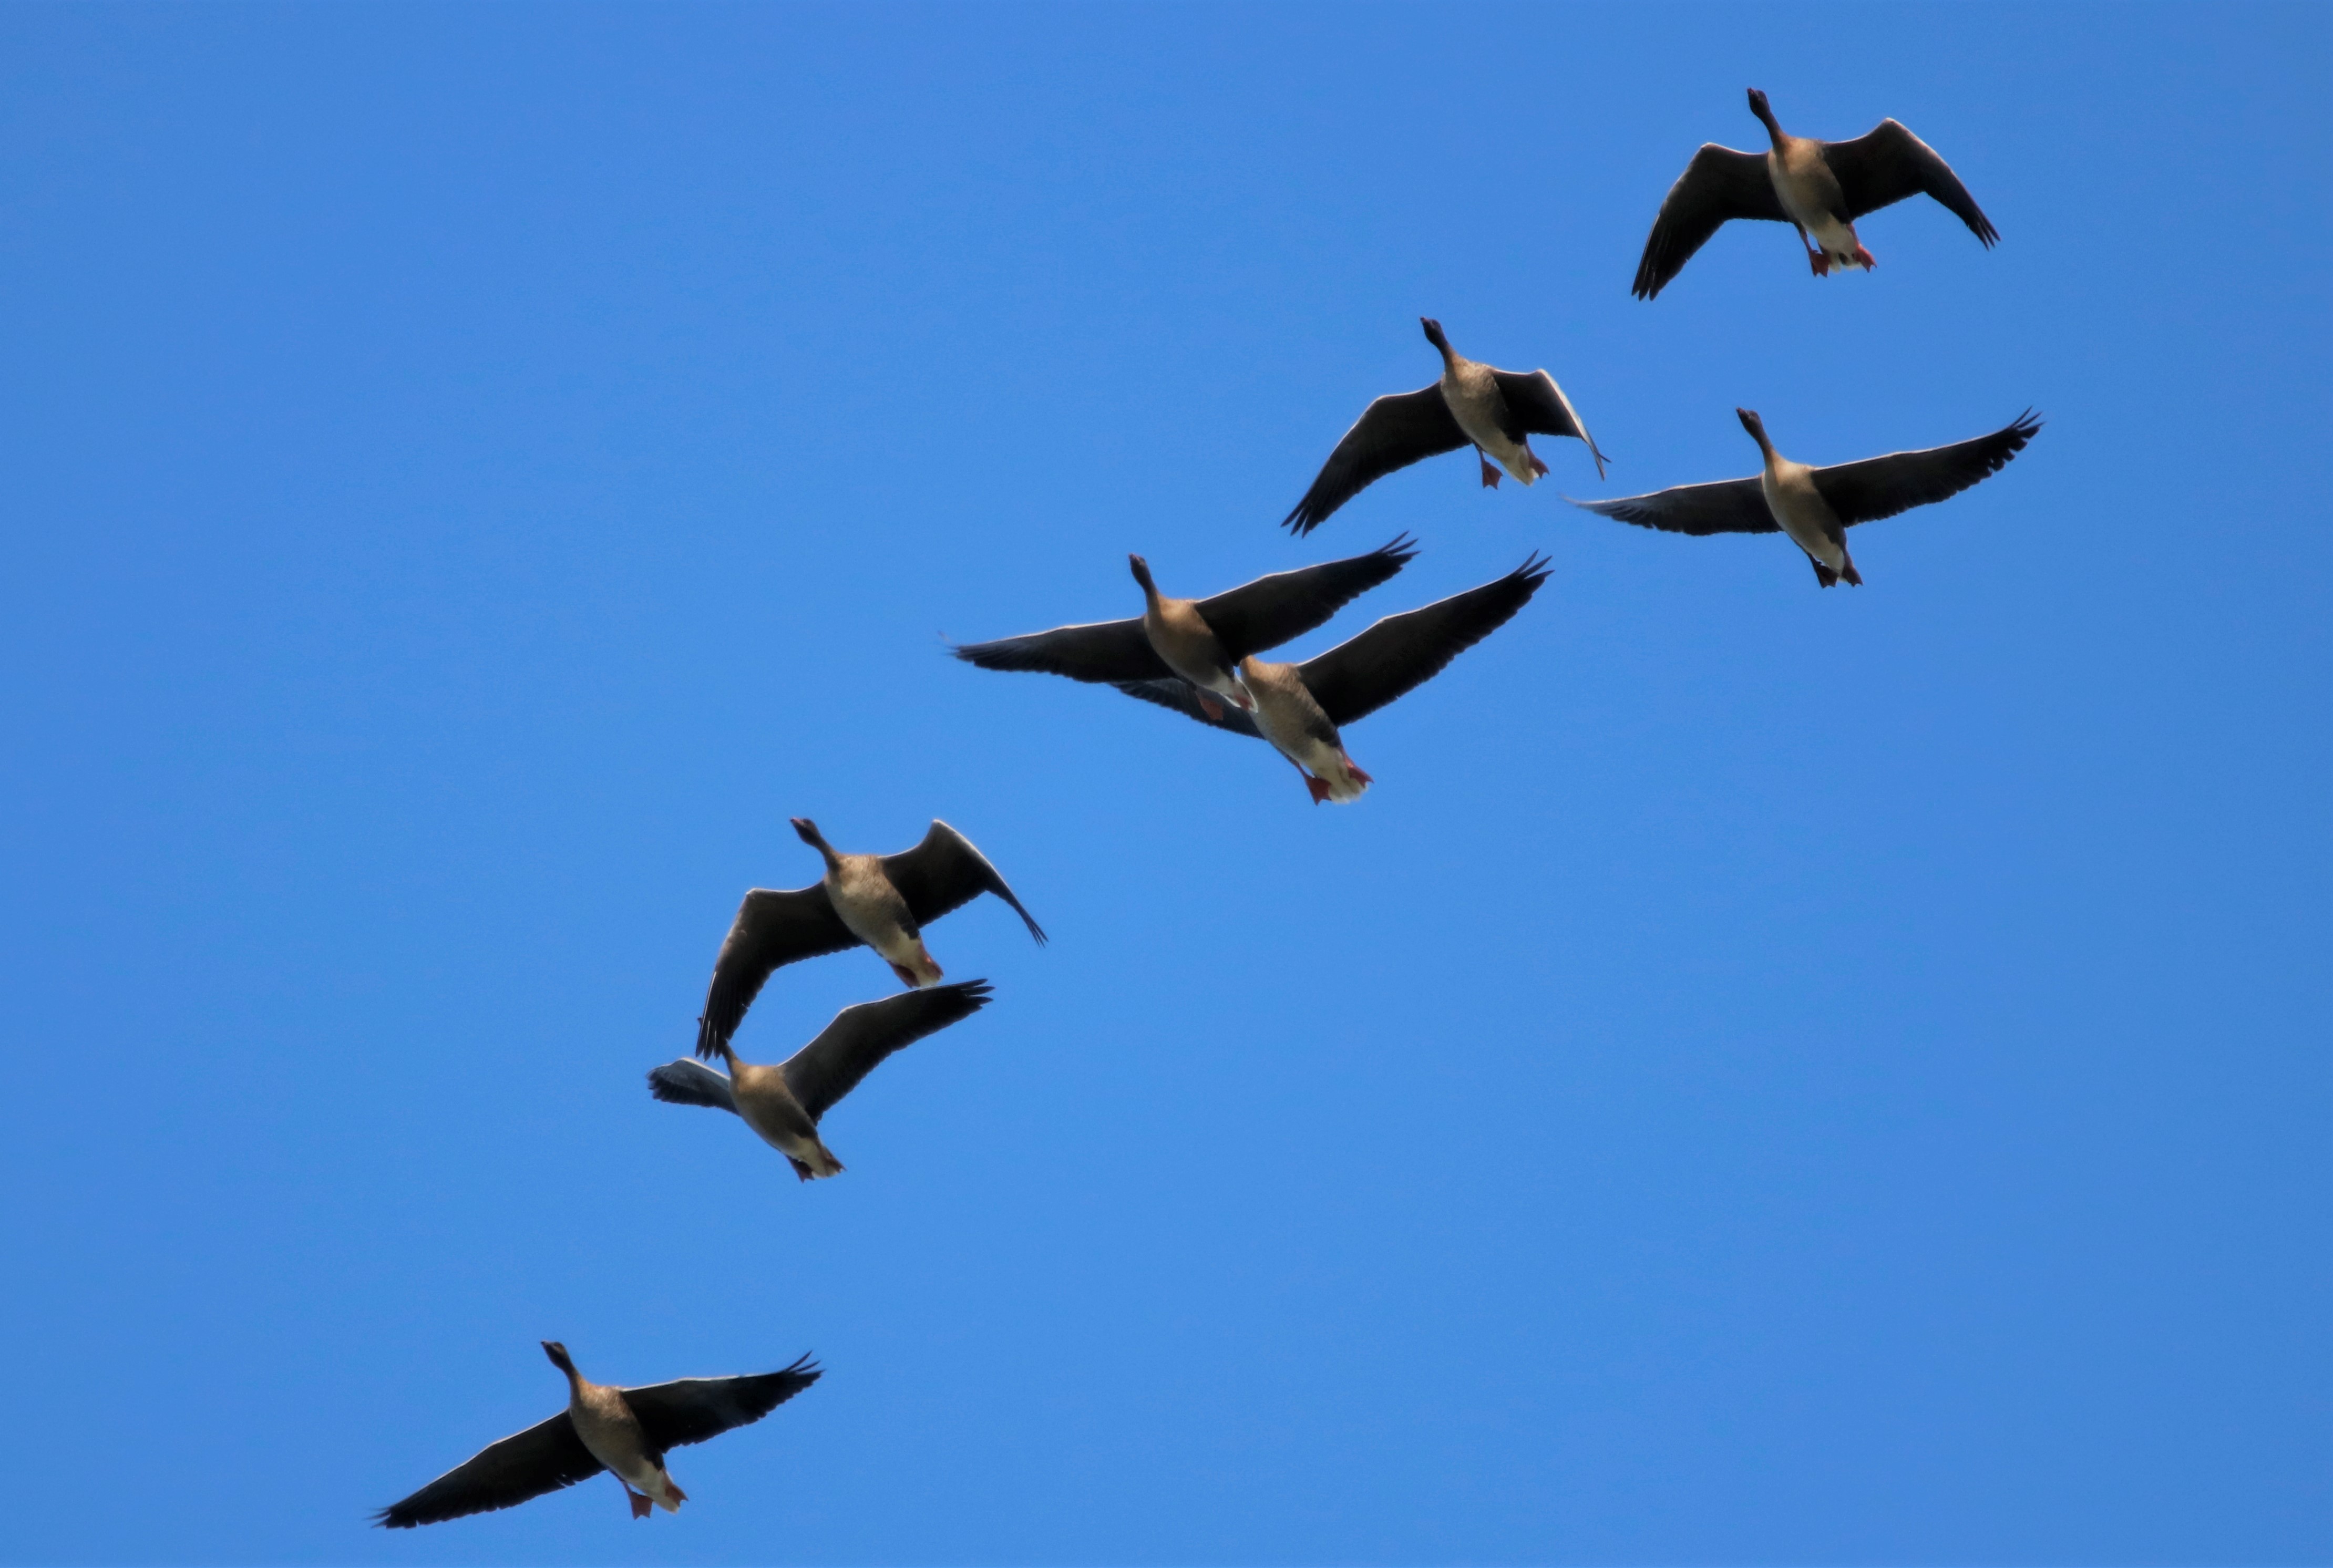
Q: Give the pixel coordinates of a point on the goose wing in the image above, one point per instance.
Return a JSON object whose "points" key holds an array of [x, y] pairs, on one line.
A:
{"points": [[1275, 609], [1727, 506], [691, 1409], [945, 871], [1889, 163], [687, 1081], [1718, 185], [542, 1459], [1880, 487], [1536, 405], [1102, 651], [849, 1048], [772, 930], [1184, 698], [1397, 430], [1402, 652]]}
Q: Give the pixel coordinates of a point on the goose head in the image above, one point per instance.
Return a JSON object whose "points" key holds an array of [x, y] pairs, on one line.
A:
{"points": [[1765, 112], [1756, 427], [1434, 335], [558, 1354], [807, 831], [1141, 569]]}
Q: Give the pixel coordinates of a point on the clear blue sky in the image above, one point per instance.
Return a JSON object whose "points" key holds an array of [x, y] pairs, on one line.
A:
{"points": [[1767, 1076]]}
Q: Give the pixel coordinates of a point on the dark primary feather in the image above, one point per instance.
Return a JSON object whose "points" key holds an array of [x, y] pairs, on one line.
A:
{"points": [[1286, 605], [1718, 184], [1403, 651], [1889, 163], [772, 930], [1537, 407], [692, 1409], [1725, 506], [849, 1048], [1880, 487], [1184, 698], [1097, 651], [945, 871], [691, 1083], [1247, 619], [1397, 430], [542, 1459]]}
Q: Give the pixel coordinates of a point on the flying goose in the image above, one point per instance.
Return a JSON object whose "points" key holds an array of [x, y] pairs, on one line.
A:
{"points": [[1498, 411], [1816, 506], [1819, 188], [784, 1104], [603, 1427], [1300, 708], [883, 900], [1201, 640]]}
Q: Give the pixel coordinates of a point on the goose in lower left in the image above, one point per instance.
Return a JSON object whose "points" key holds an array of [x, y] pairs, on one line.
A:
{"points": [[603, 1427]]}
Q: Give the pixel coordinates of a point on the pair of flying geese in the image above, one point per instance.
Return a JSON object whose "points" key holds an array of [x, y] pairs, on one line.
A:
{"points": [[1199, 658]]}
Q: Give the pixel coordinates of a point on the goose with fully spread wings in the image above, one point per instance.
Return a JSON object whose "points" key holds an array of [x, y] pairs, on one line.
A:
{"points": [[603, 1427], [1819, 188], [784, 1102], [1302, 708], [1200, 640], [882, 901], [1495, 411], [1816, 506]]}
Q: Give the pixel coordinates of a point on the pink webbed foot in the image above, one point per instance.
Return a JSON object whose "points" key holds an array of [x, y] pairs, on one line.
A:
{"points": [[906, 976], [1211, 708], [1318, 788], [641, 1507], [1490, 475], [1864, 259], [1354, 769], [1537, 466], [1820, 263]]}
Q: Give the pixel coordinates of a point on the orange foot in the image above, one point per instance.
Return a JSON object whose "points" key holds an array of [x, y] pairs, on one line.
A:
{"points": [[1537, 466], [1320, 789], [1863, 258], [1211, 708], [1821, 263], [1490, 475], [641, 1507]]}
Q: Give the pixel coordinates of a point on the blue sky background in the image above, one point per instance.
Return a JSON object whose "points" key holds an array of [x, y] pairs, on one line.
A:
{"points": [[1767, 1076]]}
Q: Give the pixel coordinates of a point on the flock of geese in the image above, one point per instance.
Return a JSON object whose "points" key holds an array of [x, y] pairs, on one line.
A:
{"points": [[1200, 657]]}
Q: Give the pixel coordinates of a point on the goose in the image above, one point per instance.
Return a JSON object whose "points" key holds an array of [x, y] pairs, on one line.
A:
{"points": [[603, 1427], [1200, 640], [1816, 506], [1819, 188], [882, 901], [784, 1104], [1497, 411], [1302, 708]]}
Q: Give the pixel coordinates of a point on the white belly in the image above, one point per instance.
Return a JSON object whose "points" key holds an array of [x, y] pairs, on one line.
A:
{"points": [[1805, 516], [1475, 421], [1807, 200]]}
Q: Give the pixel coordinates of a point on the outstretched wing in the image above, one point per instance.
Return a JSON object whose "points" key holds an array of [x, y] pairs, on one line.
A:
{"points": [[1403, 651], [1727, 506], [1184, 698], [691, 1409], [1719, 185], [687, 1081], [542, 1459], [848, 1049], [1890, 163], [772, 930], [1394, 432], [1538, 407], [945, 871], [1880, 487], [1102, 651], [1275, 609]]}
